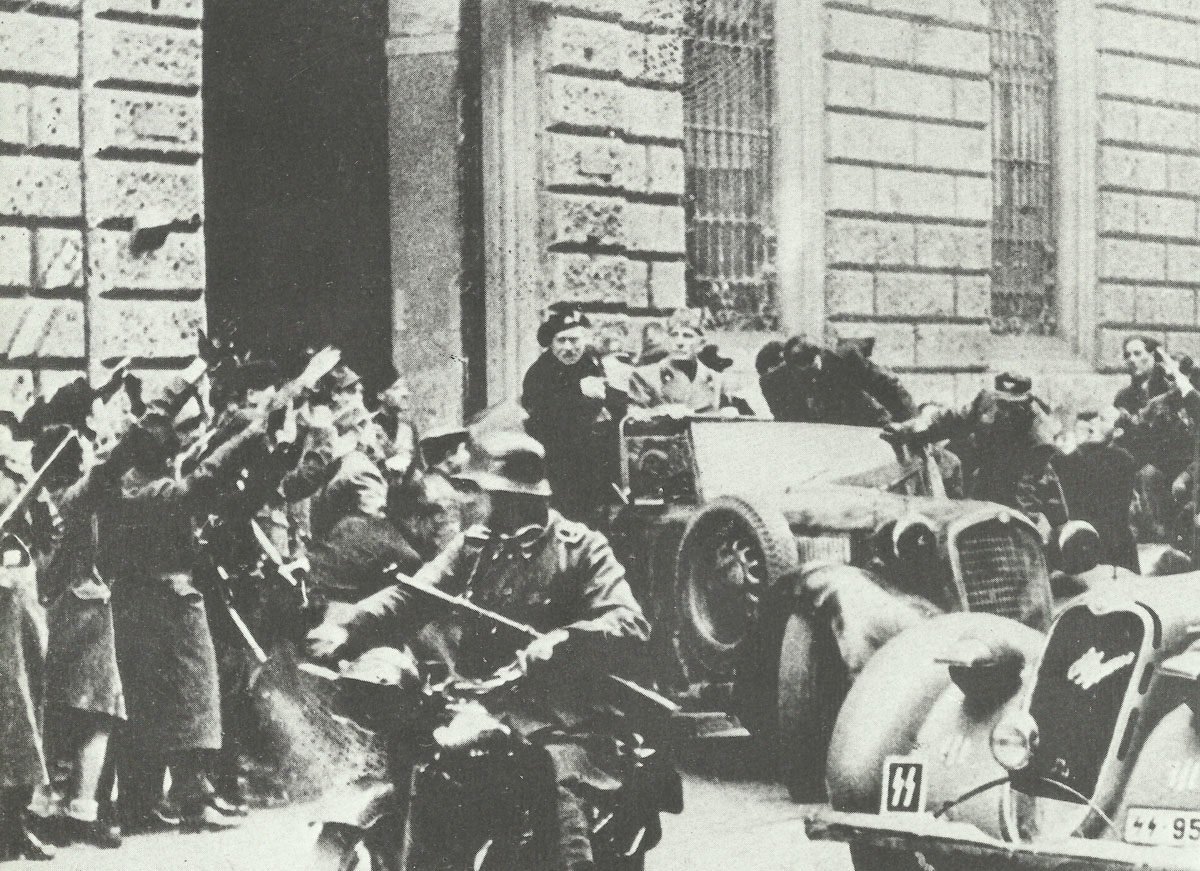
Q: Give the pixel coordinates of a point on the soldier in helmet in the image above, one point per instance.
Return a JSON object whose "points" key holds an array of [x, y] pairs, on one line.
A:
{"points": [[530, 564]]}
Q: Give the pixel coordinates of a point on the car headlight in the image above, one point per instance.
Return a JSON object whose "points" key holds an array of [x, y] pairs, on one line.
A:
{"points": [[1014, 740]]}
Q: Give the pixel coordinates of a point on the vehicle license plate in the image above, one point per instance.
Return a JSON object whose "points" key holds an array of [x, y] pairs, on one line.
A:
{"points": [[1162, 827]]}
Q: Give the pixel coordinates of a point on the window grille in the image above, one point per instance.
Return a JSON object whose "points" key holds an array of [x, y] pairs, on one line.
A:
{"points": [[728, 100], [1023, 251]]}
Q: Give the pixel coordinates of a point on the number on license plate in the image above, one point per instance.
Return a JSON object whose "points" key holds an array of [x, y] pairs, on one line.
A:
{"points": [[1157, 826]]}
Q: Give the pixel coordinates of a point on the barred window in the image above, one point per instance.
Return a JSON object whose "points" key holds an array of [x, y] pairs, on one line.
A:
{"points": [[728, 100], [1024, 298]]}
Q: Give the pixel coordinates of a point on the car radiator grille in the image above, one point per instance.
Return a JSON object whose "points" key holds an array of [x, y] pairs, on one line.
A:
{"points": [[999, 563]]}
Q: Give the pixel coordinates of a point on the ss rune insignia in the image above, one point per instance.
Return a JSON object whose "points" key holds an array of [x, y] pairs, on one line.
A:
{"points": [[903, 787]]}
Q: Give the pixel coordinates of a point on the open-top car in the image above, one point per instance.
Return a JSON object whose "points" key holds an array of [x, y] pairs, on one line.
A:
{"points": [[775, 558], [977, 742]]}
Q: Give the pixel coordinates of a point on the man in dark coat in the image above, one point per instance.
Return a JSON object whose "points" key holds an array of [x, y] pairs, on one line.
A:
{"points": [[1009, 431], [1146, 378], [803, 382], [1097, 480], [569, 403], [532, 565], [164, 645]]}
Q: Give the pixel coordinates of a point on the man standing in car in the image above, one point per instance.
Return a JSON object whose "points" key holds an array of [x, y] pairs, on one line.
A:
{"points": [[530, 564]]}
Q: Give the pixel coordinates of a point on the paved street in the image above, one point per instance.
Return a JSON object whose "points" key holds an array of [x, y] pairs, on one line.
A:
{"points": [[731, 821]]}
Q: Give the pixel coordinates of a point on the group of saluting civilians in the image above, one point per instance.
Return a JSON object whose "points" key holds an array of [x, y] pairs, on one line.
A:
{"points": [[124, 521]]}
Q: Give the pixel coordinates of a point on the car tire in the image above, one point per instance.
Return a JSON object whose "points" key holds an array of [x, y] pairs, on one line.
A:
{"points": [[731, 555], [812, 682]]}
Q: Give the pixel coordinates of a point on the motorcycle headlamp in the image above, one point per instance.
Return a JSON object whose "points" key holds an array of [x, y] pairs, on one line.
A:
{"points": [[1014, 740]]}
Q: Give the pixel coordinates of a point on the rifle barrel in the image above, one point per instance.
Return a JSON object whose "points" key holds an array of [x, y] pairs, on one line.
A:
{"points": [[34, 483], [467, 605]]}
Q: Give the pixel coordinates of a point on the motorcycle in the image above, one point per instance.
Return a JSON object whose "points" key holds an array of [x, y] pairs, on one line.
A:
{"points": [[468, 791]]}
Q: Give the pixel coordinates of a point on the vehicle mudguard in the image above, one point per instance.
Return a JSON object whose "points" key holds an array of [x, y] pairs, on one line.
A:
{"points": [[1166, 776], [359, 804], [897, 692]]}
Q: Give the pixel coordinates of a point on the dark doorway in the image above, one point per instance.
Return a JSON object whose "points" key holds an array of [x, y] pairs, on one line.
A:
{"points": [[296, 176]]}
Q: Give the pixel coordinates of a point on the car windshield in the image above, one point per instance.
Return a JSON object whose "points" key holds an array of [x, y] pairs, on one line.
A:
{"points": [[768, 457]]}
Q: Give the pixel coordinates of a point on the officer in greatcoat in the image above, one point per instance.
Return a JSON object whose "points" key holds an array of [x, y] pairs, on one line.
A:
{"points": [[530, 564], [680, 381]]}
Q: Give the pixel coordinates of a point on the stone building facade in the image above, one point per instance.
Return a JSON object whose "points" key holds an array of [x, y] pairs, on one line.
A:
{"points": [[101, 193]]}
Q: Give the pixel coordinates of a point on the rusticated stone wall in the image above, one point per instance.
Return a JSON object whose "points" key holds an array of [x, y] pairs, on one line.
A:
{"points": [[100, 133], [908, 197], [1149, 174]]}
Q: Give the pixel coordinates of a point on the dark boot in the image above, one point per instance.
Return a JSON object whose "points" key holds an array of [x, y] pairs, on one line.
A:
{"points": [[16, 841]]}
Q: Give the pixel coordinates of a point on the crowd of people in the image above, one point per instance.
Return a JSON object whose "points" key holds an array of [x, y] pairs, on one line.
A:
{"points": [[127, 523]]}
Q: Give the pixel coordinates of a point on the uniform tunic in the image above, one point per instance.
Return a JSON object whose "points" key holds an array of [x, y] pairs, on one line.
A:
{"points": [[664, 383], [23, 654]]}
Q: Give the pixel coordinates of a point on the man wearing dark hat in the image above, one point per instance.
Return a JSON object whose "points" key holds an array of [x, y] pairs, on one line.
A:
{"points": [[568, 401], [532, 565], [1009, 430], [803, 382]]}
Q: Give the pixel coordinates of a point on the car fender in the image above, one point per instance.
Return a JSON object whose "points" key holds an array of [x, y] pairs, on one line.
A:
{"points": [[1166, 774], [894, 696], [359, 805]]}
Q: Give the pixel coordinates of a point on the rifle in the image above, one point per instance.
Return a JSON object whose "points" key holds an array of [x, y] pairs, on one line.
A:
{"points": [[630, 697], [31, 487]]}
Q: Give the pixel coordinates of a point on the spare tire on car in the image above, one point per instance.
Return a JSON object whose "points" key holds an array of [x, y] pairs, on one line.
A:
{"points": [[732, 554]]}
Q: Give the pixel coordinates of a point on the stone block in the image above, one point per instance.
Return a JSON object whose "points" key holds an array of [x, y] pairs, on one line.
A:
{"points": [[1183, 85], [974, 12], [910, 93], [1129, 168], [953, 247], [119, 189], [593, 161], [662, 59], [574, 219], [849, 292], [1132, 77], [1183, 342], [1118, 213], [54, 117], [58, 259], [143, 53], [595, 278], [972, 100], [146, 329], [849, 85], [849, 188], [952, 346], [902, 192], [1165, 306], [951, 48], [659, 16], [895, 344], [653, 228], [1166, 216], [1183, 263], [1183, 174], [1116, 303], [577, 102], [668, 284], [862, 137], [145, 122], [174, 267], [972, 296], [1173, 128], [872, 36], [1152, 36], [584, 44], [1142, 261], [15, 257], [653, 114], [39, 187], [917, 295], [39, 45], [973, 198], [1118, 121], [424, 17], [856, 241], [14, 114], [41, 328], [184, 10], [664, 169], [961, 148]]}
